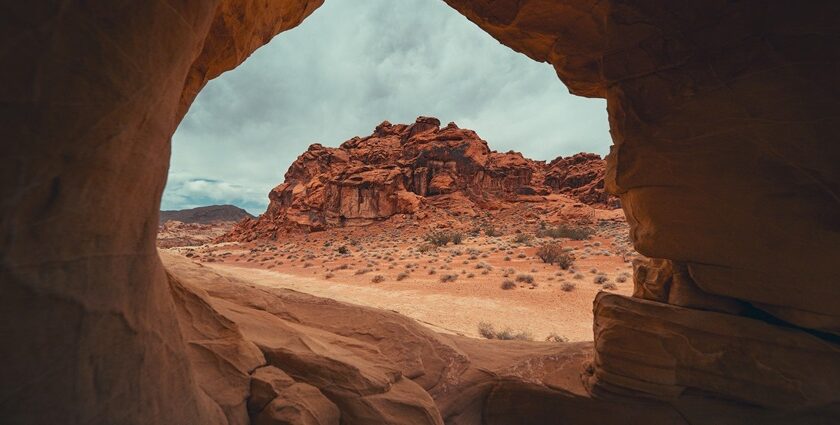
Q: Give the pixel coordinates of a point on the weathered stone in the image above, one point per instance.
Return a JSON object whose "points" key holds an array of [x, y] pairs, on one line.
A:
{"points": [[400, 169], [663, 351], [276, 399]]}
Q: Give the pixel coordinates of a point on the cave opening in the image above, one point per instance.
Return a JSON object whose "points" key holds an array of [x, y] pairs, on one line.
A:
{"points": [[295, 100], [722, 116]]}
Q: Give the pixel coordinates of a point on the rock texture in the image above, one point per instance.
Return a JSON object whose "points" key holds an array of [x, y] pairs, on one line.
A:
{"points": [[721, 128], [406, 169], [724, 119], [205, 215]]}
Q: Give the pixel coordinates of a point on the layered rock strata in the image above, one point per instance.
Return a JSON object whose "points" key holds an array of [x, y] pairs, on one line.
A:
{"points": [[403, 169]]}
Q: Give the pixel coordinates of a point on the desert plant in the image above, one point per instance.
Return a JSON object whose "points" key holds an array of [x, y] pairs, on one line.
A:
{"points": [[444, 278], [553, 337], [402, 276], [491, 231], [567, 286], [553, 253], [522, 238], [378, 279], [508, 284], [525, 278], [564, 231], [600, 279], [329, 276], [343, 250], [609, 286], [487, 330], [439, 237]]}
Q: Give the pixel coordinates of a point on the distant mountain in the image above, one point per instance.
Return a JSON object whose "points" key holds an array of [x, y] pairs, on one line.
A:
{"points": [[205, 215]]}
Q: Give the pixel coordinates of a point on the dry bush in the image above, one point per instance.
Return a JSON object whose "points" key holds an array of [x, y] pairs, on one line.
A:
{"points": [[444, 278], [378, 279], [491, 231], [609, 286], [568, 286], [553, 253], [443, 237], [343, 250], [564, 231], [522, 238], [600, 279], [402, 276], [525, 278], [508, 284], [487, 330], [553, 337]]}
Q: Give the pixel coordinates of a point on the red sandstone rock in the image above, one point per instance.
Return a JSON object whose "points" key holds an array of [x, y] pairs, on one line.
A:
{"points": [[401, 169]]}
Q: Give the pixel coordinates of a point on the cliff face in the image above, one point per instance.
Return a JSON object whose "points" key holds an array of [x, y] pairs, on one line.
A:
{"points": [[399, 167]]}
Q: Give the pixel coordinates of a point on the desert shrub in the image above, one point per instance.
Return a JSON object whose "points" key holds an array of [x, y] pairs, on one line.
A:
{"points": [[362, 271], [402, 276], [521, 255], [564, 231], [507, 258], [456, 237], [525, 278], [438, 237], [426, 247], [487, 330], [491, 231], [307, 265], [444, 278], [343, 250], [378, 279], [609, 286], [600, 279], [553, 253], [329, 276], [508, 284], [553, 337], [522, 238], [568, 286], [621, 279]]}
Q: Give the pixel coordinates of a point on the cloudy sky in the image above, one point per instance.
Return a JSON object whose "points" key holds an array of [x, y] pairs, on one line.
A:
{"points": [[348, 67]]}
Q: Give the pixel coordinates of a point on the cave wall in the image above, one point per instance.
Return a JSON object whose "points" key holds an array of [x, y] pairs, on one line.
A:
{"points": [[91, 95], [723, 116]]}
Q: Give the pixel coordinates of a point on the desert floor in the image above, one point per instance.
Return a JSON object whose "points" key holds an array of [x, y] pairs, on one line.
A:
{"points": [[451, 288]]}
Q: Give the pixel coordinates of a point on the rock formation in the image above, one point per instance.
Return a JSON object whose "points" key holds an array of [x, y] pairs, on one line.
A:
{"points": [[724, 119], [206, 215], [403, 169]]}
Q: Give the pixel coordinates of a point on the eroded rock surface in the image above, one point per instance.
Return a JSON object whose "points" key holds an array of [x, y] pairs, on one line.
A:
{"points": [[408, 169], [723, 114]]}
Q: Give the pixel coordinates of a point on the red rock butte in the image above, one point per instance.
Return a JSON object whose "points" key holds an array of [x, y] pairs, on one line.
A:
{"points": [[724, 119], [411, 169]]}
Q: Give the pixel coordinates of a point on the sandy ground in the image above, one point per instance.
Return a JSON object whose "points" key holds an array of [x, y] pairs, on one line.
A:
{"points": [[451, 288]]}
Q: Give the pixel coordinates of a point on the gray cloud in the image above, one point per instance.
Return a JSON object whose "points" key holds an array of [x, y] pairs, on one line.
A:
{"points": [[348, 67]]}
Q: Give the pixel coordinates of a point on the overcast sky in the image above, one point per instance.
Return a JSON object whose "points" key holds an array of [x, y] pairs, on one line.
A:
{"points": [[348, 67]]}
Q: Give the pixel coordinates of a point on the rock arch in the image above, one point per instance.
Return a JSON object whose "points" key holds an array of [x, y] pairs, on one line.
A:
{"points": [[724, 120]]}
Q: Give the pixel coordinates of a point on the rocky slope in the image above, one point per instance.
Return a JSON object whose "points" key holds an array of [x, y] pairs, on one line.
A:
{"points": [[205, 215], [415, 170]]}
